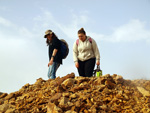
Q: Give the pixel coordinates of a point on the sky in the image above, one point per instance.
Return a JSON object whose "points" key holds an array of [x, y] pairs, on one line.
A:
{"points": [[121, 29]]}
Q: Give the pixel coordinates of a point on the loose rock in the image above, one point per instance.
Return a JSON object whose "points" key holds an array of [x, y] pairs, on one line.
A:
{"points": [[70, 94]]}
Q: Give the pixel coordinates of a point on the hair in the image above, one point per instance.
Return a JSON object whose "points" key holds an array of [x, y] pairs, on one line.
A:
{"points": [[53, 36], [82, 31]]}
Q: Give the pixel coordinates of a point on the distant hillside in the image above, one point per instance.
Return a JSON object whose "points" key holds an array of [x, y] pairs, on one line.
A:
{"points": [[70, 94]]}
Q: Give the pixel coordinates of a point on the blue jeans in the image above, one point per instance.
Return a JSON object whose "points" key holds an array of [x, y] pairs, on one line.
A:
{"points": [[52, 70]]}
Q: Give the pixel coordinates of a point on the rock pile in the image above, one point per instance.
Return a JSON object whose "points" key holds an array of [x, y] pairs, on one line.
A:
{"points": [[1, 93], [70, 94]]}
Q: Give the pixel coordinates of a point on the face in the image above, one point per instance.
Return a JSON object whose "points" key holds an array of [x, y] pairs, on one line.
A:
{"points": [[82, 37], [49, 37]]}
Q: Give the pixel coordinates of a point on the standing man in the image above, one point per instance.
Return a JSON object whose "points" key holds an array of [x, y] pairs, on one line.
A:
{"points": [[55, 59]]}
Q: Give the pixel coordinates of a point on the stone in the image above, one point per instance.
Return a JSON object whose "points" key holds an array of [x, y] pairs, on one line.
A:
{"points": [[73, 96], [101, 87], [55, 97], [109, 84], [39, 81], [82, 86], [63, 101], [143, 91], [3, 95], [10, 110], [66, 94], [82, 79], [70, 111], [2, 101], [99, 81], [52, 108], [118, 79], [106, 76], [68, 83], [4, 107], [60, 80], [11, 95]]}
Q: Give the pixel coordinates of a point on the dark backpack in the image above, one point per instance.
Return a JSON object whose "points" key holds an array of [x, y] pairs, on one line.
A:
{"points": [[64, 49]]}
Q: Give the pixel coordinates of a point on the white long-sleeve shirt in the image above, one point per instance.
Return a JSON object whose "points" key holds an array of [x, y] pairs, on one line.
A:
{"points": [[85, 50]]}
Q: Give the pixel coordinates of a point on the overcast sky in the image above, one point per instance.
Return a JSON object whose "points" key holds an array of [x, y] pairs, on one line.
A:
{"points": [[121, 29]]}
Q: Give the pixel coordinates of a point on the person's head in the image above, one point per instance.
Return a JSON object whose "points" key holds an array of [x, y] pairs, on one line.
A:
{"points": [[82, 34], [49, 34]]}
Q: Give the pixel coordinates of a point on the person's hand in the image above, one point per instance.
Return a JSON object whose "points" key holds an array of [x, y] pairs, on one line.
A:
{"points": [[77, 65], [98, 63], [50, 62]]}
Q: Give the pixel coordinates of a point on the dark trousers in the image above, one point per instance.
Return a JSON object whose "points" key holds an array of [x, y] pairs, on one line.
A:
{"points": [[86, 67]]}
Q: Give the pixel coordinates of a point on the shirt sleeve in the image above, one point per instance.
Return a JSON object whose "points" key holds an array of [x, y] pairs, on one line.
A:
{"points": [[96, 50], [75, 52]]}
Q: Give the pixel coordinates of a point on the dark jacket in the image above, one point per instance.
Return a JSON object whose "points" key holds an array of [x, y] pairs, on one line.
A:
{"points": [[55, 44]]}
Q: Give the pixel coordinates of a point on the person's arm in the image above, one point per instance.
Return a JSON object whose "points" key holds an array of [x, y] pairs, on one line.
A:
{"points": [[96, 52], [52, 57], [54, 53], [75, 55], [56, 43]]}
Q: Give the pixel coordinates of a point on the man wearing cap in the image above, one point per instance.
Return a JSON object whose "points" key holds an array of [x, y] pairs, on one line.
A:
{"points": [[54, 53]]}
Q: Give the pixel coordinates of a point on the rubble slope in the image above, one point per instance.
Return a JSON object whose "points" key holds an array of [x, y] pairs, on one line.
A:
{"points": [[70, 94]]}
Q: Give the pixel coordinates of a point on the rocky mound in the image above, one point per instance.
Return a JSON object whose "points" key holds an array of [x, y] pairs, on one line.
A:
{"points": [[1, 93], [70, 94]]}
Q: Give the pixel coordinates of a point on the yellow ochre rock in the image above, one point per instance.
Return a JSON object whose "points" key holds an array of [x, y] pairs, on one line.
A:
{"points": [[70, 94]]}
